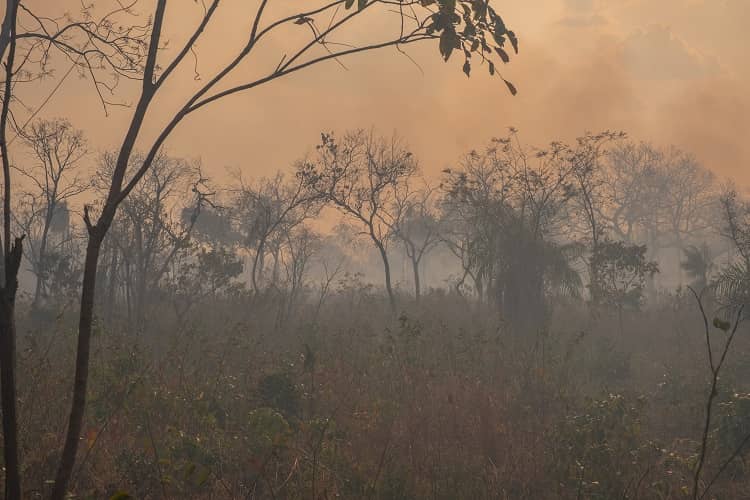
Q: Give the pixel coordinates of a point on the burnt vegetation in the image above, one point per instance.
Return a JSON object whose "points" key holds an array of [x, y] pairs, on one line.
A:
{"points": [[536, 321]]}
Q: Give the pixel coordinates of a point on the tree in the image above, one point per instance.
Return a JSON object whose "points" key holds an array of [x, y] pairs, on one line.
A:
{"points": [[689, 198], [698, 265], [633, 190], [360, 176], [267, 211], [471, 25], [301, 244], [150, 231], [621, 277], [416, 226], [513, 202], [589, 179], [58, 149]]}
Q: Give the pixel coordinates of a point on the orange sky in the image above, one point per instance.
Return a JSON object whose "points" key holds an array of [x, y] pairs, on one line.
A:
{"points": [[672, 71]]}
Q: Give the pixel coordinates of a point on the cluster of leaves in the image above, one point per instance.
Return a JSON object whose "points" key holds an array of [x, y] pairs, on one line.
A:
{"points": [[622, 272]]}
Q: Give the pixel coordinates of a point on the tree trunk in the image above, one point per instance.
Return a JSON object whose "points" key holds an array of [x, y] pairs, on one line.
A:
{"points": [[8, 372], [40, 277], [387, 271], [10, 420], [417, 284], [11, 261], [111, 285], [75, 422]]}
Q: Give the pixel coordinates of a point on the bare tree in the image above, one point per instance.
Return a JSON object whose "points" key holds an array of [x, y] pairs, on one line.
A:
{"points": [[689, 199], [265, 212], [416, 226], [301, 244], [58, 149], [360, 176], [633, 191]]}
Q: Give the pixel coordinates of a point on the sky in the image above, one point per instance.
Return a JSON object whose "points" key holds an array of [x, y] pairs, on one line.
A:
{"points": [[672, 72]]}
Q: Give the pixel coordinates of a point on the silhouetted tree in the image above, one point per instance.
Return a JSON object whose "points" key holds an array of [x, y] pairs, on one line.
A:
{"points": [[416, 225], [621, 277], [58, 150], [360, 176]]}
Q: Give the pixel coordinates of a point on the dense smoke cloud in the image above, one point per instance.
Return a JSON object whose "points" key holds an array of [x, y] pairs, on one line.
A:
{"points": [[673, 76]]}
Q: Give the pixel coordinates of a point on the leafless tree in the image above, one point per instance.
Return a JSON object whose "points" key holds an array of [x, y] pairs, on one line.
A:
{"points": [[416, 225], [265, 213], [360, 175], [301, 244], [55, 179], [689, 200]]}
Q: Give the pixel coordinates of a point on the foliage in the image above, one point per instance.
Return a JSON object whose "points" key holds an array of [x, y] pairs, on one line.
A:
{"points": [[623, 270], [600, 452]]}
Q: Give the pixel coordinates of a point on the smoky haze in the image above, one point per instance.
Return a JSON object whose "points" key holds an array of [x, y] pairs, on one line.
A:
{"points": [[673, 73], [375, 249]]}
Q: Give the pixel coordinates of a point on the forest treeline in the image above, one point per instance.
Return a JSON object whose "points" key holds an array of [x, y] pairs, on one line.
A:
{"points": [[518, 226], [247, 350]]}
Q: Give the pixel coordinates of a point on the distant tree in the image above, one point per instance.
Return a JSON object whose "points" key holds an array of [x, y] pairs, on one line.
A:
{"points": [[300, 245], [512, 203], [689, 199], [203, 272], [416, 225], [621, 277], [588, 172], [660, 197], [360, 176], [58, 150], [698, 264], [732, 282], [213, 225], [148, 232], [265, 213], [633, 190]]}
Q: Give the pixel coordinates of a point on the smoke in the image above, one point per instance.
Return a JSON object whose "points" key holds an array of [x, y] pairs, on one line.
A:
{"points": [[670, 72]]}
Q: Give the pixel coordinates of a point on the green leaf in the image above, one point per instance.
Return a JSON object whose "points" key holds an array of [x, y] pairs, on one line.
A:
{"points": [[721, 324], [500, 28], [513, 41], [447, 5], [503, 55], [492, 68], [448, 42], [511, 87], [467, 67], [120, 495], [348, 4], [361, 4]]}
